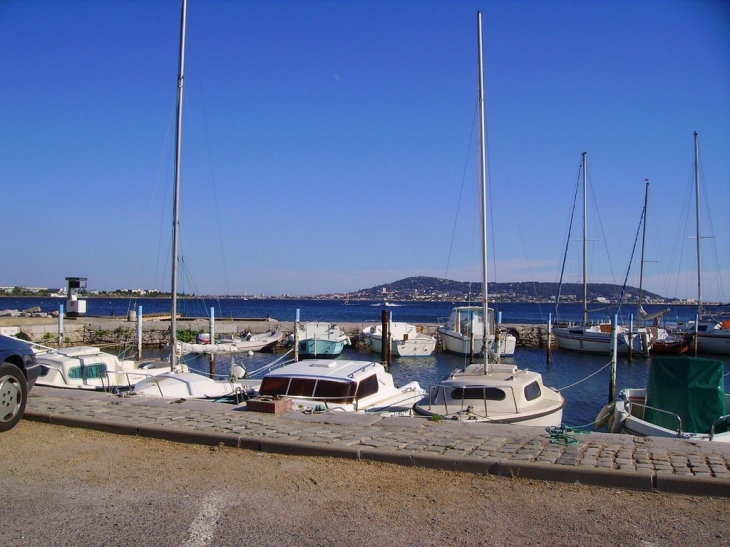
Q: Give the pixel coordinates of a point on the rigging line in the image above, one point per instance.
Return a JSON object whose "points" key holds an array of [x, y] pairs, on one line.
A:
{"points": [[603, 233], [708, 216], [490, 201], [567, 240], [213, 185], [631, 259], [516, 217], [162, 161], [586, 378], [461, 190], [675, 260]]}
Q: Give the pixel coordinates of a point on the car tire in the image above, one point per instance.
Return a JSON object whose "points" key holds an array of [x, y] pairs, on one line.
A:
{"points": [[13, 395]]}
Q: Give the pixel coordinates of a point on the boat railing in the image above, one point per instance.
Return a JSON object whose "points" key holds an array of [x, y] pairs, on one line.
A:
{"points": [[277, 363], [674, 414], [362, 368], [441, 388], [113, 385], [720, 420]]}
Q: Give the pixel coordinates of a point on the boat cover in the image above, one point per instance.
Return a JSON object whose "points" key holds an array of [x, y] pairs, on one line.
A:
{"points": [[691, 387]]}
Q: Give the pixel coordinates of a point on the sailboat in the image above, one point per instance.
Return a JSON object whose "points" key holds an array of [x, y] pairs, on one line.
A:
{"points": [[710, 334], [487, 391], [596, 338], [662, 342], [179, 381]]}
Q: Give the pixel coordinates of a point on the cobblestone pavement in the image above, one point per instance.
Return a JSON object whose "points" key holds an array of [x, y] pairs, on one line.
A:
{"points": [[671, 465]]}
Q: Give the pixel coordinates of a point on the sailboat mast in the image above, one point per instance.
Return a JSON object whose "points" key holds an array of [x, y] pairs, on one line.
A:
{"points": [[483, 192], [176, 192], [697, 216], [639, 312], [585, 240]]}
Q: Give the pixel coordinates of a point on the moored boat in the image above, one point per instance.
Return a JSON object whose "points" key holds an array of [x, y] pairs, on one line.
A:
{"points": [[233, 344], [340, 385], [316, 339], [463, 333], [406, 341], [683, 398], [487, 391], [501, 394], [88, 367]]}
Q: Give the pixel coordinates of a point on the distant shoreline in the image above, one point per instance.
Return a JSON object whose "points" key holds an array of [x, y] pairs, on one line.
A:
{"points": [[456, 302]]}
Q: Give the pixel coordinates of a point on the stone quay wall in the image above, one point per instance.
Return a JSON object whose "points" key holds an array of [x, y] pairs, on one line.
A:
{"points": [[101, 331]]}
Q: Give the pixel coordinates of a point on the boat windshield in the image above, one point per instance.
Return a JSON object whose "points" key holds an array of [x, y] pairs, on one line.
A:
{"points": [[322, 390], [478, 393]]}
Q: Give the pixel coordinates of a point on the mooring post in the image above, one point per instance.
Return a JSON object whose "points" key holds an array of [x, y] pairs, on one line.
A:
{"points": [[139, 333], [60, 325], [614, 351], [296, 336], [471, 336], [211, 340], [631, 336], [498, 338], [549, 337], [384, 338]]}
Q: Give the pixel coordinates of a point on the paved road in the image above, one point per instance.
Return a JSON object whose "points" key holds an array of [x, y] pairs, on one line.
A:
{"points": [[619, 461]]}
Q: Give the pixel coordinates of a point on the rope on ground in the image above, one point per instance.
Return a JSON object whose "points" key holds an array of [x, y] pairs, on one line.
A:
{"points": [[584, 379], [562, 434]]}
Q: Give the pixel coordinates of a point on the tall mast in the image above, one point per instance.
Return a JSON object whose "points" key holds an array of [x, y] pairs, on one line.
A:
{"points": [[643, 244], [483, 192], [585, 242], [176, 193], [697, 215]]}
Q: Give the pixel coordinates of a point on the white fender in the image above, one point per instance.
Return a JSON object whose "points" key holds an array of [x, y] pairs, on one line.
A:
{"points": [[604, 415], [620, 414]]}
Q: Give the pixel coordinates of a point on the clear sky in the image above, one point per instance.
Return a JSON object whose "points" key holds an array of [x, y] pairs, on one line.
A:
{"points": [[329, 146]]}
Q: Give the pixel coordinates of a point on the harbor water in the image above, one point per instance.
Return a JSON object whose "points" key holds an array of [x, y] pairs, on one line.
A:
{"points": [[354, 312], [584, 379]]}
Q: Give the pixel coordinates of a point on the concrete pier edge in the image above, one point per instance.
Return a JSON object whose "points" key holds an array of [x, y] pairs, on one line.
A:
{"points": [[644, 480]]}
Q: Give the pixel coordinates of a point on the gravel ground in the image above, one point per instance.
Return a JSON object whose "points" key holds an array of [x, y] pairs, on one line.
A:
{"points": [[64, 486]]}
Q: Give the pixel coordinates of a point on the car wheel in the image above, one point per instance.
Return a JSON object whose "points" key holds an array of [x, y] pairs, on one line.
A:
{"points": [[13, 395]]}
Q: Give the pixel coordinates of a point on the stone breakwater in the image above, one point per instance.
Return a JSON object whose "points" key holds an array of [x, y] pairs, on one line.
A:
{"points": [[155, 331]]}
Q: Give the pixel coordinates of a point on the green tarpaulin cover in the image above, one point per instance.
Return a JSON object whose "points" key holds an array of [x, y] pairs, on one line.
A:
{"points": [[690, 387]]}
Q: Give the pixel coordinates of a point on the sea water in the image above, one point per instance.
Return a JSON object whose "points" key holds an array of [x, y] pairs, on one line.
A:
{"points": [[338, 311], [583, 379]]}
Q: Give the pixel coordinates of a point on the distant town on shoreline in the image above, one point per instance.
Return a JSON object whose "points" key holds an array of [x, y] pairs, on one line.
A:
{"points": [[410, 289]]}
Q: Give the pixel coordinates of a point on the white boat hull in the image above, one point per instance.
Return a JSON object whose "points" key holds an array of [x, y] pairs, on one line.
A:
{"points": [[453, 342], [714, 342], [505, 395], [585, 340], [624, 421], [406, 341], [192, 385]]}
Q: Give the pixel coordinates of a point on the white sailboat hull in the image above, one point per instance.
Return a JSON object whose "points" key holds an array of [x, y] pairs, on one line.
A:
{"points": [[591, 339]]}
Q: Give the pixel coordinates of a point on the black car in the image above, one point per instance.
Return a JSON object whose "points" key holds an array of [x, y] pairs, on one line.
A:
{"points": [[18, 373]]}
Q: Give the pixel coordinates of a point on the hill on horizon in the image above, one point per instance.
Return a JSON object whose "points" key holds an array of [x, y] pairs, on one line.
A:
{"points": [[423, 287]]}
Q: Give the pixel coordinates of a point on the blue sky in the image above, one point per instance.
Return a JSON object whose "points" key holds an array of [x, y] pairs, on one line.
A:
{"points": [[330, 146]]}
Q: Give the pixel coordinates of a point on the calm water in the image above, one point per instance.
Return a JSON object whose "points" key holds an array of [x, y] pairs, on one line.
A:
{"points": [[584, 399], [327, 310]]}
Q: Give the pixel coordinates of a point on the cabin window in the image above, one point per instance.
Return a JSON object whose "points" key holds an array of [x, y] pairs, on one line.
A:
{"points": [[274, 386], [479, 393], [301, 387], [369, 386], [335, 392], [84, 372], [532, 391]]}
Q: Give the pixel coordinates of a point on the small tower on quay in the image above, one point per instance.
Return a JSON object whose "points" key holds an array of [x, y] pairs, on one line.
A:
{"points": [[75, 306]]}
